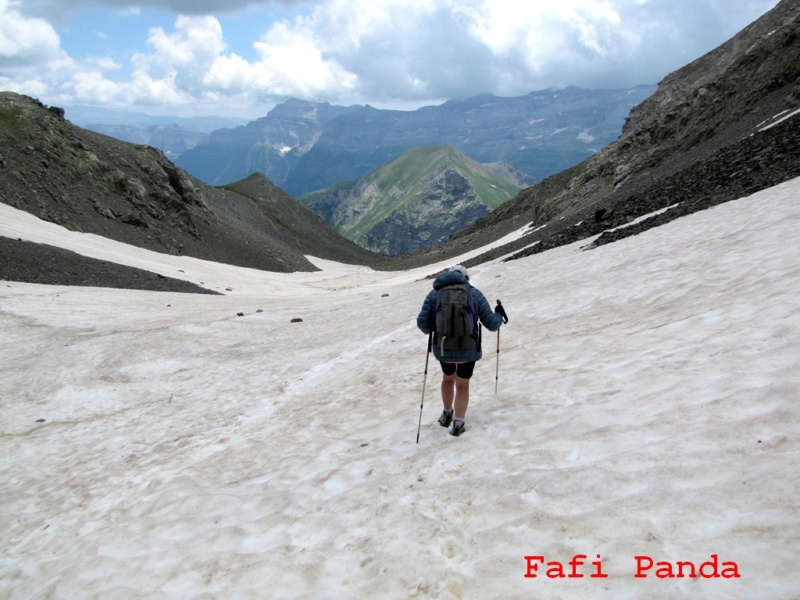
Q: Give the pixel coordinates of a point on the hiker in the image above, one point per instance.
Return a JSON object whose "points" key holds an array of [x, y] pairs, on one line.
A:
{"points": [[457, 354]]}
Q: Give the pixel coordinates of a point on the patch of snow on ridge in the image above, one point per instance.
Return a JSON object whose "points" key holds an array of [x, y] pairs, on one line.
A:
{"points": [[780, 119]]}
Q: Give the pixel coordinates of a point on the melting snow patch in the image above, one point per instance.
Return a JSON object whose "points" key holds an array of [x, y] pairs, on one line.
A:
{"points": [[780, 119], [645, 217]]}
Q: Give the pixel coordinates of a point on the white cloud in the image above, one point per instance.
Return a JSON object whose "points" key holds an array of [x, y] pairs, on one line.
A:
{"points": [[25, 41], [553, 40], [130, 11], [294, 60], [105, 63], [193, 62], [184, 55], [383, 52]]}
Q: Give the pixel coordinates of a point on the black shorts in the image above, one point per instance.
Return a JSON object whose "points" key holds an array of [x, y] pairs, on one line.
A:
{"points": [[463, 370]]}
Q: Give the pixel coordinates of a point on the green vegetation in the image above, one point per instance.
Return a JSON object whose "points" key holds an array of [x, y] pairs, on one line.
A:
{"points": [[429, 186], [10, 117]]}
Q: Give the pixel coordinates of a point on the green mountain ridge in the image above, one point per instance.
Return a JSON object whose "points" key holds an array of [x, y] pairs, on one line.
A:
{"points": [[415, 201]]}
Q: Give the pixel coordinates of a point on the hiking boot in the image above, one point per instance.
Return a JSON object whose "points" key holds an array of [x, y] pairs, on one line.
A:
{"points": [[458, 428], [446, 418]]}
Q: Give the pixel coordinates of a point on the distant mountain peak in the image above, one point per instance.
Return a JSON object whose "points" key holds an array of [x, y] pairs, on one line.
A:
{"points": [[415, 201]]}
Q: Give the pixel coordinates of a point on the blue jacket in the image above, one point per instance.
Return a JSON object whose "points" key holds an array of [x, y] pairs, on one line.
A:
{"points": [[484, 312]]}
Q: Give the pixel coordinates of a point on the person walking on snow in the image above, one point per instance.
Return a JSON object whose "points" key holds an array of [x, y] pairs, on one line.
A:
{"points": [[457, 364]]}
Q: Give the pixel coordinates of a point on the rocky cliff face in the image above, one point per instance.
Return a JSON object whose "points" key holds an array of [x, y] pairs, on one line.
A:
{"points": [[449, 204], [304, 147], [272, 145]]}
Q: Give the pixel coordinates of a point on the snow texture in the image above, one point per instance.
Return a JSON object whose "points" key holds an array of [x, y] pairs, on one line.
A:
{"points": [[157, 445]]}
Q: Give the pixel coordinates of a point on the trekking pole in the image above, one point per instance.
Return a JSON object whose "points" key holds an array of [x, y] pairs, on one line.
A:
{"points": [[497, 367], [502, 312], [424, 381]]}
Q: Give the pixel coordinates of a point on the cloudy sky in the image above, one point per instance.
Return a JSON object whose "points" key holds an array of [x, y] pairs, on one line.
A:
{"points": [[241, 57]]}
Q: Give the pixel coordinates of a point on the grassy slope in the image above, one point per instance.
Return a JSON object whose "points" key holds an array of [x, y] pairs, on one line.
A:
{"points": [[402, 181]]}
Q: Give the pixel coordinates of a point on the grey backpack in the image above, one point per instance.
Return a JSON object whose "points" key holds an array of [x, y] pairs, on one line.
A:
{"points": [[456, 323]]}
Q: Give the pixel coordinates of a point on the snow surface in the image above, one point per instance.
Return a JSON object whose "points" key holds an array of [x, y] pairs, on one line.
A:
{"points": [[155, 445]]}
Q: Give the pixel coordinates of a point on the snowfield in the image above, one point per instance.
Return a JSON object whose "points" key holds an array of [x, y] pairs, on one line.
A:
{"points": [[157, 445]]}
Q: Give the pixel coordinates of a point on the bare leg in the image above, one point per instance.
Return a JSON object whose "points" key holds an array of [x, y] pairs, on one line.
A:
{"points": [[462, 397], [448, 390]]}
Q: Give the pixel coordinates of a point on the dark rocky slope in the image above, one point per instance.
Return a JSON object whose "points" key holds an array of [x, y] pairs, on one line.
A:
{"points": [[40, 263], [91, 183]]}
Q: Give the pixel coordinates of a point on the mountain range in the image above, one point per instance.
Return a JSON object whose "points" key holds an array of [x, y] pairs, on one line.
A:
{"points": [[95, 118], [722, 127], [306, 146], [171, 134]]}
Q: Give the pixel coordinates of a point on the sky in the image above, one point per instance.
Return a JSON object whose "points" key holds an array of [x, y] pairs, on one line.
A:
{"points": [[157, 445], [241, 57]]}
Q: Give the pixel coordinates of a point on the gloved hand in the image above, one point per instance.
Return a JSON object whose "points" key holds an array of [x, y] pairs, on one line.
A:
{"points": [[501, 311]]}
